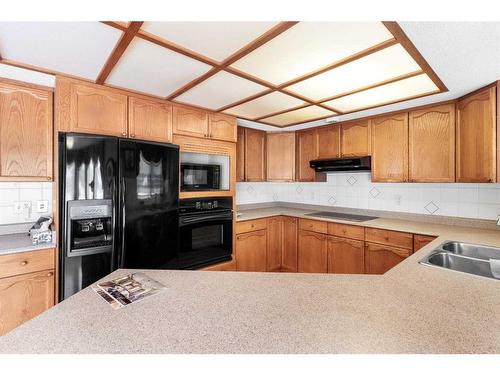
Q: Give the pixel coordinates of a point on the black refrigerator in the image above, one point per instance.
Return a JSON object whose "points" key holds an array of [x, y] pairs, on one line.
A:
{"points": [[118, 207]]}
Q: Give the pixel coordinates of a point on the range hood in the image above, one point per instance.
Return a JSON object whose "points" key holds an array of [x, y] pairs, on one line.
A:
{"points": [[356, 164]]}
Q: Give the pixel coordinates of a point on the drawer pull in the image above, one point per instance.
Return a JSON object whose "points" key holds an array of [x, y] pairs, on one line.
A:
{"points": [[50, 274], [24, 263]]}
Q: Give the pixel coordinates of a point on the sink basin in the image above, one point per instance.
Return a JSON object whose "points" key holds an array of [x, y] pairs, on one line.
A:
{"points": [[464, 257]]}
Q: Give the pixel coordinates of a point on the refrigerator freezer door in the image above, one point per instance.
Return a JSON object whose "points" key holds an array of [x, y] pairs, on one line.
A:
{"points": [[149, 194]]}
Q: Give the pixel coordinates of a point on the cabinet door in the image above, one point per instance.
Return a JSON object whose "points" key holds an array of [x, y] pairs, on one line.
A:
{"points": [[432, 144], [225, 266], [312, 252], [25, 132], [419, 241], [222, 127], [345, 255], [97, 110], [307, 150], [381, 258], [390, 148], [24, 297], [476, 121], [280, 156], [329, 142], [251, 249], [289, 248], [150, 120], [240, 155], [274, 243], [355, 138], [255, 155], [190, 121]]}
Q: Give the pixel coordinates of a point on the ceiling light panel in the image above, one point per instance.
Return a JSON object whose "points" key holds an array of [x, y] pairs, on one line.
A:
{"points": [[308, 46], [216, 40], [265, 105], [154, 70], [299, 115], [377, 67], [219, 90], [391, 92], [76, 48]]}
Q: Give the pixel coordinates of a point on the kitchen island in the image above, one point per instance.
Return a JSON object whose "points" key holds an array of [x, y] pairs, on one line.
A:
{"points": [[410, 309]]}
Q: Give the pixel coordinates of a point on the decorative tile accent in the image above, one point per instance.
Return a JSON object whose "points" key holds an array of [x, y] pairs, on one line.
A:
{"points": [[250, 189], [299, 189], [332, 200], [352, 180], [275, 197], [431, 207], [374, 192]]}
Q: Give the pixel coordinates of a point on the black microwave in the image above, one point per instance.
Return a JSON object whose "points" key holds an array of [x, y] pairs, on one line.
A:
{"points": [[195, 177]]}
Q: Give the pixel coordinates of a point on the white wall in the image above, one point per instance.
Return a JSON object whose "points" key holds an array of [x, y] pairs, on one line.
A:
{"points": [[11, 192], [355, 190]]}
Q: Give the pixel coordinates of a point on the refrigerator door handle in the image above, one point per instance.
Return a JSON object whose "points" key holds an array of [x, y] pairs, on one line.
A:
{"points": [[122, 204]]}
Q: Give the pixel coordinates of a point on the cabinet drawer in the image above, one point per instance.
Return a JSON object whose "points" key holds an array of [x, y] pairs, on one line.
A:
{"points": [[389, 237], [313, 225], [346, 231], [250, 225], [26, 262]]}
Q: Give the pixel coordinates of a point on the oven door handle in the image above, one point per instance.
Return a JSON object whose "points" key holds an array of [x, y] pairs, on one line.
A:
{"points": [[203, 218]]}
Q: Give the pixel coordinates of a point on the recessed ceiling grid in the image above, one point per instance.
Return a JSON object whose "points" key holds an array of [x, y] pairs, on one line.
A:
{"points": [[279, 74]]}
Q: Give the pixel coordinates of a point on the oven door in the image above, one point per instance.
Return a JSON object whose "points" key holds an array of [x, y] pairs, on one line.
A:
{"points": [[205, 239]]}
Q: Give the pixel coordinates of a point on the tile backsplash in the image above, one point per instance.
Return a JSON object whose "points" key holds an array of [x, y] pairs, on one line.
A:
{"points": [[355, 190], [11, 192]]}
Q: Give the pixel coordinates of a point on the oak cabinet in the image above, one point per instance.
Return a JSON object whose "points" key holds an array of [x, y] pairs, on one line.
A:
{"points": [[381, 258], [390, 148], [476, 133], [329, 142], [224, 266], [355, 138], [307, 150], [389, 237], [97, 110], [432, 144], [312, 252], [345, 255], [26, 135], [190, 121], [255, 155], [222, 127], [289, 248], [251, 249], [240, 154], [274, 243], [419, 241], [150, 120], [280, 160]]}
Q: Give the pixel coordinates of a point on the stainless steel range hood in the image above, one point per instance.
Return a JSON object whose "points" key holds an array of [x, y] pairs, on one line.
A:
{"points": [[355, 164]]}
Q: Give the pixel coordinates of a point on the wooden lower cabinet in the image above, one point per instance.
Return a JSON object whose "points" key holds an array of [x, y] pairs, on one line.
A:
{"points": [[289, 248], [381, 258], [251, 251], [274, 243], [419, 241], [312, 252], [345, 255], [225, 266]]}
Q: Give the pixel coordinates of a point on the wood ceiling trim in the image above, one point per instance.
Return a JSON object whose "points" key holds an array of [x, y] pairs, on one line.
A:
{"points": [[193, 83], [245, 100], [283, 111], [408, 45], [118, 51], [117, 25]]}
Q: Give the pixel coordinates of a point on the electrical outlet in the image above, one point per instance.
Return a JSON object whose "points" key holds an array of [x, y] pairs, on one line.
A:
{"points": [[22, 207], [42, 206], [18, 207]]}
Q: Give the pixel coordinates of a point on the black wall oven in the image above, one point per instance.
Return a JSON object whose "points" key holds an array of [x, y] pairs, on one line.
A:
{"points": [[196, 177], [206, 231]]}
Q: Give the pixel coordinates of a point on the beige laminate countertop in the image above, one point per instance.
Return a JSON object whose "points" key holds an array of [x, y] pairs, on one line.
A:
{"points": [[21, 242], [410, 309]]}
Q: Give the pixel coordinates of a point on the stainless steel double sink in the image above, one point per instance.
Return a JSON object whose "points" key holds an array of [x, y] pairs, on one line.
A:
{"points": [[464, 257]]}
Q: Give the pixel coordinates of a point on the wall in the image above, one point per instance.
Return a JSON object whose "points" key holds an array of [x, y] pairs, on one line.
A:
{"points": [[355, 190], [11, 192]]}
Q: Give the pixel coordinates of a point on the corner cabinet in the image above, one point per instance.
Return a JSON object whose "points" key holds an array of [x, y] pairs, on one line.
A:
{"points": [[150, 120], [307, 150], [390, 148], [26, 133], [274, 243], [255, 155], [476, 137], [240, 154], [289, 247], [280, 156]]}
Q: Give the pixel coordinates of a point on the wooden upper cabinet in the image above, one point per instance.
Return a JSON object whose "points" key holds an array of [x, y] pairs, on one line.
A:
{"points": [[150, 120], [190, 121], [355, 138], [390, 148], [289, 248], [26, 135], [280, 156], [97, 110], [381, 258], [274, 243], [240, 154], [251, 251], [307, 150], [345, 255], [476, 137], [312, 252], [329, 142], [432, 144], [222, 127], [255, 155]]}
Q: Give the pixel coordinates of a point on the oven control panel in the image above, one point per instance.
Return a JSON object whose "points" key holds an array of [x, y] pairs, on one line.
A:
{"points": [[205, 204]]}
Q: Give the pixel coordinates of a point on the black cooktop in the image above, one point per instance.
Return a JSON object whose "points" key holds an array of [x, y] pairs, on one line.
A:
{"points": [[342, 216]]}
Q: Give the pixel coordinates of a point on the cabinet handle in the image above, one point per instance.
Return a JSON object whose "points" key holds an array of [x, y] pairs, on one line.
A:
{"points": [[124, 134], [132, 135], [24, 263], [49, 178], [50, 274]]}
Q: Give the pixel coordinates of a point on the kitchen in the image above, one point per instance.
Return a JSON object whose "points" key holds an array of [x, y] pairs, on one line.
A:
{"points": [[353, 183]]}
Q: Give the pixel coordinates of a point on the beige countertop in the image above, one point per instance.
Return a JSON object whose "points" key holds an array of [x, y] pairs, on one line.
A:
{"points": [[410, 309], [21, 242]]}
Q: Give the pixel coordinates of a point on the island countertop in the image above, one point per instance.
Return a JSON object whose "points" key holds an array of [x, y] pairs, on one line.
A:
{"points": [[410, 309]]}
